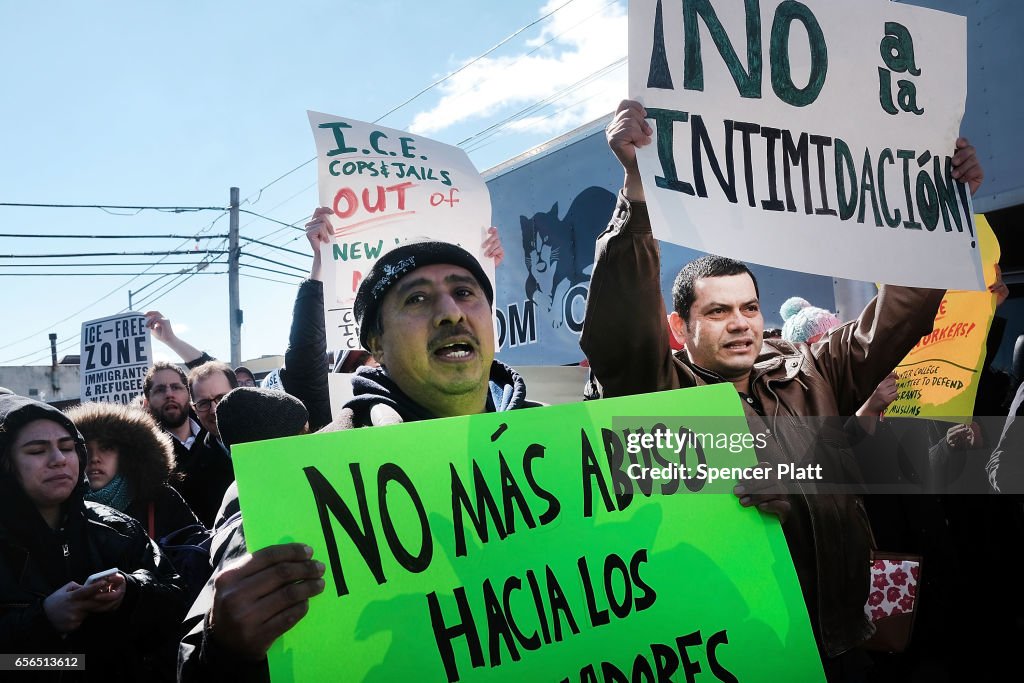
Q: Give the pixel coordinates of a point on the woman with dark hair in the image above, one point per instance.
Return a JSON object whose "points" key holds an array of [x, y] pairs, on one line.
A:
{"points": [[130, 464], [52, 540]]}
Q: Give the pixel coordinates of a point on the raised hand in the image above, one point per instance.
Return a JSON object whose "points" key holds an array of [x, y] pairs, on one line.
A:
{"points": [[627, 131]]}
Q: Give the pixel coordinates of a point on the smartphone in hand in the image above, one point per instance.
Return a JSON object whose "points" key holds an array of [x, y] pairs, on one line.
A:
{"points": [[100, 576]]}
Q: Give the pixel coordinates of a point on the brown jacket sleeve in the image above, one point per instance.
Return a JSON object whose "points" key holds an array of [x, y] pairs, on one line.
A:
{"points": [[625, 331], [858, 355]]}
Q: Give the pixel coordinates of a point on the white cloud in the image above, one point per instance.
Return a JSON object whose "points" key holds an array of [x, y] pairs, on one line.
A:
{"points": [[586, 37]]}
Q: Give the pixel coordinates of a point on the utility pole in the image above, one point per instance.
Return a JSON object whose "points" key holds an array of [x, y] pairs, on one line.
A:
{"points": [[130, 300], [235, 312]]}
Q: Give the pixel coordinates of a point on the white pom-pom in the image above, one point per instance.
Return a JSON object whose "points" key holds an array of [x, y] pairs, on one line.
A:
{"points": [[792, 306]]}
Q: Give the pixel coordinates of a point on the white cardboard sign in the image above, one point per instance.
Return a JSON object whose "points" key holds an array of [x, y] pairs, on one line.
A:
{"points": [[386, 186], [115, 353], [813, 136]]}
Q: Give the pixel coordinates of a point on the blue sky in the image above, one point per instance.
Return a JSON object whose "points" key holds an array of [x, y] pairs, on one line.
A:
{"points": [[171, 104]]}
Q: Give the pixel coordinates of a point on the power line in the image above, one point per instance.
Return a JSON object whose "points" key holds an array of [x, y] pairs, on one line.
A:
{"points": [[270, 270], [282, 203], [276, 246], [279, 178], [104, 207], [274, 232], [160, 292], [486, 140], [168, 287], [146, 286], [545, 43], [268, 279], [494, 128], [221, 272], [285, 201], [63, 320], [279, 230], [276, 263], [118, 253], [108, 294], [268, 218], [112, 237], [76, 264], [202, 265], [36, 353]]}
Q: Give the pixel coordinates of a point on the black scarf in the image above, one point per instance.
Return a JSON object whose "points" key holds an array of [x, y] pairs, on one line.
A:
{"points": [[373, 386]]}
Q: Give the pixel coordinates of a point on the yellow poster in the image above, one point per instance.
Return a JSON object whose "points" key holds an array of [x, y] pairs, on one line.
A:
{"points": [[939, 377]]}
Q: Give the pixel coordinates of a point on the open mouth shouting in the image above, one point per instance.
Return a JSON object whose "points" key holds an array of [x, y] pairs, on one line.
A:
{"points": [[455, 346], [455, 351], [739, 346]]}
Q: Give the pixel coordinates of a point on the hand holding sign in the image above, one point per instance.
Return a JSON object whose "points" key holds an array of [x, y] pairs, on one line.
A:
{"points": [[318, 231], [261, 596], [492, 246], [160, 326], [884, 394], [627, 131], [999, 288], [966, 167], [764, 494]]}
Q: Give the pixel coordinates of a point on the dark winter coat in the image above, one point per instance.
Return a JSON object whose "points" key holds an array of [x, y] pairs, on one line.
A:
{"points": [[145, 460], [304, 374], [36, 560], [206, 472]]}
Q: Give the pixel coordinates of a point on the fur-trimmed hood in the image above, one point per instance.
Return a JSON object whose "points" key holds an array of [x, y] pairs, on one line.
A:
{"points": [[146, 453]]}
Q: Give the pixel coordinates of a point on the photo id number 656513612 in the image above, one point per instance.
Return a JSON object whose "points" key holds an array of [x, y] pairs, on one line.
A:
{"points": [[35, 662]]}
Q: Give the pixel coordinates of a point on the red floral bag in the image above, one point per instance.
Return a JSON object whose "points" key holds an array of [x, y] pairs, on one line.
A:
{"points": [[892, 602]]}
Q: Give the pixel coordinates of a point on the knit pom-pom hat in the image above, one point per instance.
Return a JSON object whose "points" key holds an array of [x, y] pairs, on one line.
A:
{"points": [[804, 322]]}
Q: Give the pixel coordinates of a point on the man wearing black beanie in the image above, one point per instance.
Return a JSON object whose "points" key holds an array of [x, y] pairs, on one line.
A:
{"points": [[425, 313]]}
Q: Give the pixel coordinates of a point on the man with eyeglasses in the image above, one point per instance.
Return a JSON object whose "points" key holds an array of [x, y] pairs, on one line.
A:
{"points": [[167, 399], [206, 467]]}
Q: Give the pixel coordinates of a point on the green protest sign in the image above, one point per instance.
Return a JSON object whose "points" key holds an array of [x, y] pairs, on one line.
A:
{"points": [[504, 546]]}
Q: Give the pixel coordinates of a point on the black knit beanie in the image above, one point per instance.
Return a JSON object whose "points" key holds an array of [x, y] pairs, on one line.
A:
{"points": [[399, 262], [255, 414]]}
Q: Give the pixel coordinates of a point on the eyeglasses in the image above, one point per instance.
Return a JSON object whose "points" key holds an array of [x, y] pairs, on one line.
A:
{"points": [[161, 389], [206, 404], [246, 382]]}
